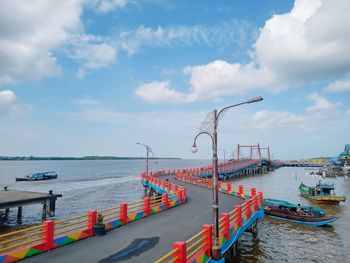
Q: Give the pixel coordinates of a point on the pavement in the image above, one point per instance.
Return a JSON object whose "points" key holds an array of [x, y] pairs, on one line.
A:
{"points": [[147, 239]]}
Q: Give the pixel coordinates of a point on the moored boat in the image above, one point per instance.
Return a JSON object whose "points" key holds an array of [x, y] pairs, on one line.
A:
{"points": [[306, 215], [322, 193], [38, 176]]}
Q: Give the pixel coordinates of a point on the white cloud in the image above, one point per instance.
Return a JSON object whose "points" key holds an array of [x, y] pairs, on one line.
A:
{"points": [[29, 32], [94, 56], [322, 105], [309, 43], [266, 119], [156, 91], [88, 102], [348, 112], [339, 85], [224, 34], [10, 104], [105, 6]]}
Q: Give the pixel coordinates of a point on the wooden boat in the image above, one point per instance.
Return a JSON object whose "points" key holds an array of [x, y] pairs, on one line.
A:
{"points": [[306, 215], [321, 193], [38, 176]]}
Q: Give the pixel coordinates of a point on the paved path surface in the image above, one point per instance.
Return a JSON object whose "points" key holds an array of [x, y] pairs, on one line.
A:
{"points": [[151, 237]]}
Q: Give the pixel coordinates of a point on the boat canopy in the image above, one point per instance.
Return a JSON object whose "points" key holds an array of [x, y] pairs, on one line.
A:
{"points": [[275, 202]]}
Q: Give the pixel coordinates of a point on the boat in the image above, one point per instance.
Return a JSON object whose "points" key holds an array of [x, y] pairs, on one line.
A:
{"points": [[38, 176], [306, 215], [322, 193]]}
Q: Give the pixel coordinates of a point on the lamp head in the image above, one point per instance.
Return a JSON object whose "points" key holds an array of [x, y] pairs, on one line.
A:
{"points": [[256, 99], [194, 148]]}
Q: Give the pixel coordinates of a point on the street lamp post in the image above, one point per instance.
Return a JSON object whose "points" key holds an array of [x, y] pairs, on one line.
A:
{"points": [[148, 150], [224, 155], [216, 249]]}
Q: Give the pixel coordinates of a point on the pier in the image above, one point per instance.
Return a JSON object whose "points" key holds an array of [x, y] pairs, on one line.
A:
{"points": [[180, 234], [17, 199]]}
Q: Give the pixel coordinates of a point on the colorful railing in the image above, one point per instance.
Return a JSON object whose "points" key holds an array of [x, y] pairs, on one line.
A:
{"points": [[227, 167], [231, 225], [51, 234]]}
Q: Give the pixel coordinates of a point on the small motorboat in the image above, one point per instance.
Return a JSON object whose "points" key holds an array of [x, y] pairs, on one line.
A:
{"points": [[38, 176], [307, 215], [322, 193]]}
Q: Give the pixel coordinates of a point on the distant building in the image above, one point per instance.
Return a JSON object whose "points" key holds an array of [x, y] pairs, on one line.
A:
{"points": [[344, 156]]}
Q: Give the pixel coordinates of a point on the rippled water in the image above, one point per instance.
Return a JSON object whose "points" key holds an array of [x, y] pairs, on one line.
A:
{"points": [[84, 185], [281, 241], [97, 184]]}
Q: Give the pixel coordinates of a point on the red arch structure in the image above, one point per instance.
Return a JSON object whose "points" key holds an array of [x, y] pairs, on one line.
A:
{"points": [[253, 148]]}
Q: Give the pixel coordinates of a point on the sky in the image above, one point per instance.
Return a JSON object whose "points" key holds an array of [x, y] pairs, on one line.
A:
{"points": [[94, 77]]}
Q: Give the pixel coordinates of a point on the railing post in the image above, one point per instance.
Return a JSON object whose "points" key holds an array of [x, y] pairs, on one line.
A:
{"points": [[181, 253], [202, 181], [240, 190], [247, 210], [208, 238], [48, 234], [170, 187], [238, 209], [184, 194], [226, 225], [176, 189], [228, 188], [219, 185], [180, 196], [123, 208], [92, 219], [260, 199], [146, 206], [165, 200], [253, 192]]}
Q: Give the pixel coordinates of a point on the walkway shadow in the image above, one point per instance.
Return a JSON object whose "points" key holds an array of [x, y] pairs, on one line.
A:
{"points": [[135, 248]]}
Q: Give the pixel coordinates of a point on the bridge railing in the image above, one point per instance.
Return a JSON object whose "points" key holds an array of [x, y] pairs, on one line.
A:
{"points": [[198, 247], [50, 234]]}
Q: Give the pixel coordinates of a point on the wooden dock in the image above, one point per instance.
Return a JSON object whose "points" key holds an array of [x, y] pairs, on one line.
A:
{"points": [[17, 199]]}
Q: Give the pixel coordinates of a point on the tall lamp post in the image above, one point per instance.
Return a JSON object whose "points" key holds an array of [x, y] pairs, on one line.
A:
{"points": [[148, 150], [211, 130], [224, 155]]}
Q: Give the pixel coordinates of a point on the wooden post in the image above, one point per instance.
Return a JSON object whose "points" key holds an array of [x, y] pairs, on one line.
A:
{"points": [[48, 234], [92, 219], [19, 214], [165, 200], [208, 239], [181, 253], [238, 213], [226, 225], [146, 206], [123, 208]]}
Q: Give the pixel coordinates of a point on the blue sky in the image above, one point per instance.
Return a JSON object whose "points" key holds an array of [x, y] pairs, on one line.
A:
{"points": [[93, 77]]}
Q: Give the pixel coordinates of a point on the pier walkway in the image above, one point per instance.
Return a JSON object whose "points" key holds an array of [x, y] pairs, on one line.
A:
{"points": [[149, 239]]}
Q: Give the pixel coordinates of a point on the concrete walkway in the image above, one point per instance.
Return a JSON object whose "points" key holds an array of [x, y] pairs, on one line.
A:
{"points": [[150, 237]]}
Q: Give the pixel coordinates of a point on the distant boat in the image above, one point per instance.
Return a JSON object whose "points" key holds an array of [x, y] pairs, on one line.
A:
{"points": [[38, 176], [322, 193], [306, 215]]}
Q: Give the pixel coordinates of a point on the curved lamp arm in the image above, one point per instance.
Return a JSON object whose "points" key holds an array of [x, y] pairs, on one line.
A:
{"points": [[194, 146]]}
